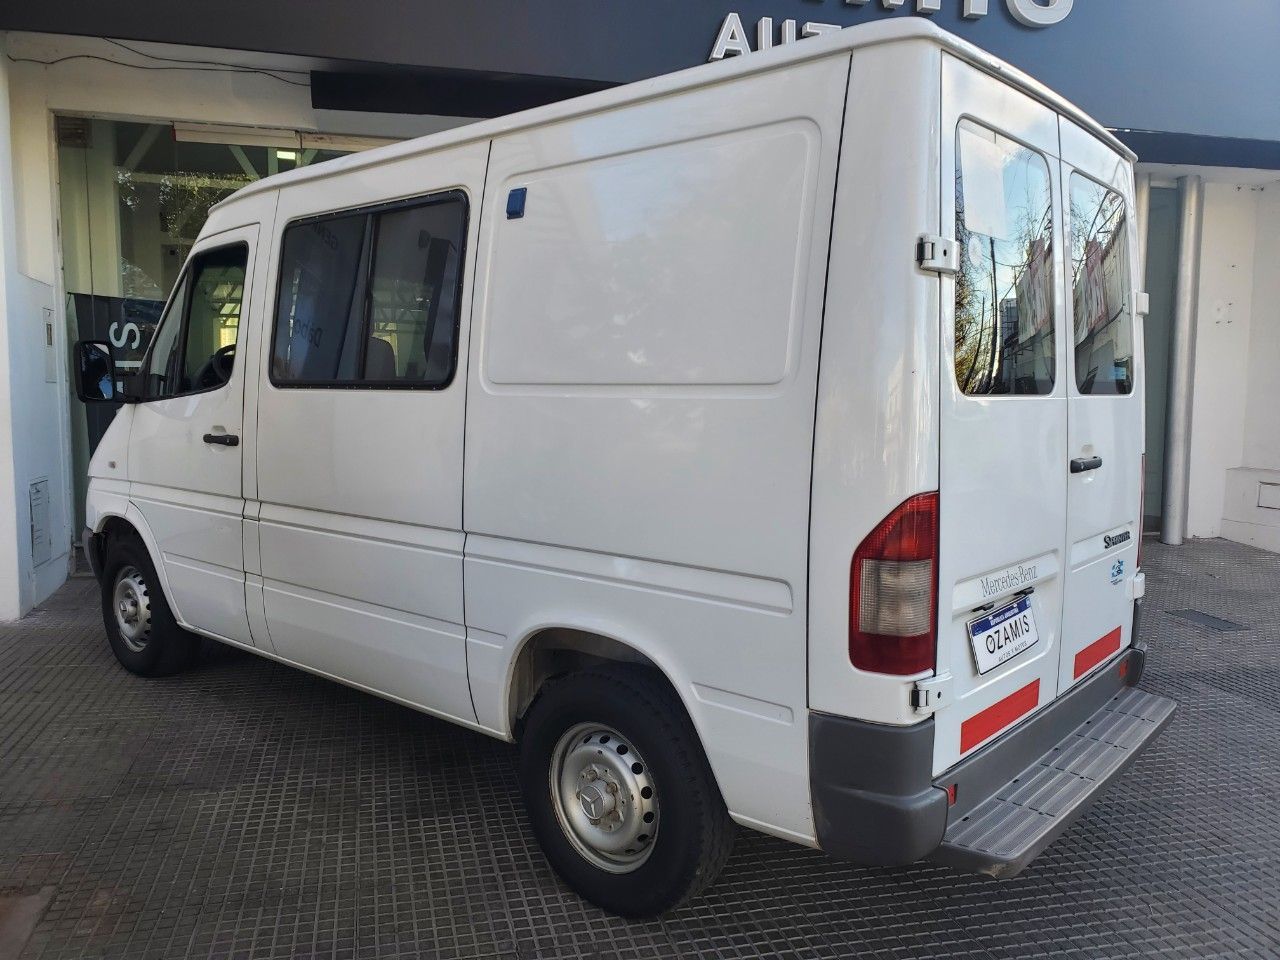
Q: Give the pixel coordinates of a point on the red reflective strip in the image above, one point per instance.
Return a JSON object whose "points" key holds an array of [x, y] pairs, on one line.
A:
{"points": [[985, 725], [1096, 652]]}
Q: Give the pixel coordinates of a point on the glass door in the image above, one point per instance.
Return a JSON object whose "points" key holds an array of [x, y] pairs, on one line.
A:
{"points": [[1163, 228]]}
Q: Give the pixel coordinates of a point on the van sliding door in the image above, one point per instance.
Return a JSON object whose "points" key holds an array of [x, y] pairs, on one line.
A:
{"points": [[1003, 413], [360, 425]]}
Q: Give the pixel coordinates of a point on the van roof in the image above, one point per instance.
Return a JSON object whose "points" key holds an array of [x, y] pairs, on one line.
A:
{"points": [[866, 35]]}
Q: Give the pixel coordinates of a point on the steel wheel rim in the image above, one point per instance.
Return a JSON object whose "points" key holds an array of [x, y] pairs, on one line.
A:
{"points": [[131, 601], [604, 797]]}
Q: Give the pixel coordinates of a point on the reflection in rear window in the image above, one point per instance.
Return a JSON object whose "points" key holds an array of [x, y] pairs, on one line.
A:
{"points": [[1100, 289], [1004, 291]]}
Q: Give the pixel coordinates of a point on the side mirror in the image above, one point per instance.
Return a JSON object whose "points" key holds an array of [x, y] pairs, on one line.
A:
{"points": [[95, 372]]}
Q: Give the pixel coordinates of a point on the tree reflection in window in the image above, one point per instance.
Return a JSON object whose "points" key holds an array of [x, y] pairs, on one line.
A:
{"points": [[1100, 283], [1004, 322]]}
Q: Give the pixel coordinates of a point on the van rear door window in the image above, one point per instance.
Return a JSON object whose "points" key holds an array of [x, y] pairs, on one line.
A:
{"points": [[1100, 289], [1004, 324]]}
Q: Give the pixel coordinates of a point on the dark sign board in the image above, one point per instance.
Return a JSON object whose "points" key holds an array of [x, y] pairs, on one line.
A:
{"points": [[1201, 67], [127, 324]]}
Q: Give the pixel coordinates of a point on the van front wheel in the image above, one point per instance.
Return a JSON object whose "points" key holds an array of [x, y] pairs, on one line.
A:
{"points": [[619, 792], [143, 633]]}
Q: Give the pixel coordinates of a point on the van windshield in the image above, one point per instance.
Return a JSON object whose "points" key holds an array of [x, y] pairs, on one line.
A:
{"points": [[1004, 328]]}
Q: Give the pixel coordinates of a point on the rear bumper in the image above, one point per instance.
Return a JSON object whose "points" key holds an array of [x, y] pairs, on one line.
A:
{"points": [[875, 800]]}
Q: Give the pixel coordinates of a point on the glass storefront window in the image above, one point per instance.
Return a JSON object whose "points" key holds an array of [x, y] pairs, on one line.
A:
{"points": [[133, 197]]}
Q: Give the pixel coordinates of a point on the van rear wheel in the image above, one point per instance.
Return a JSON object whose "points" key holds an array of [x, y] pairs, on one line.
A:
{"points": [[619, 793], [144, 635]]}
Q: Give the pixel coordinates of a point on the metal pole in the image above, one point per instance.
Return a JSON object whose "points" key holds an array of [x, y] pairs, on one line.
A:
{"points": [[1182, 358], [1142, 226], [1142, 201]]}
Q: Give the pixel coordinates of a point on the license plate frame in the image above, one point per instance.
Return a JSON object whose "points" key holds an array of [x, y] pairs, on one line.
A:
{"points": [[1000, 635]]}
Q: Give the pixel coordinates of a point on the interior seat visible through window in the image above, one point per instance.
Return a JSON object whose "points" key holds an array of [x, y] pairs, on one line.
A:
{"points": [[380, 360]]}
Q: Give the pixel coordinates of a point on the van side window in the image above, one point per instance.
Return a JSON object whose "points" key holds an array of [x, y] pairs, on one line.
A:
{"points": [[320, 312], [194, 349], [1100, 281], [1004, 325], [371, 299]]}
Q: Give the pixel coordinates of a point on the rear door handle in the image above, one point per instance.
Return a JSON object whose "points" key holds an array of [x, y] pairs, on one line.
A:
{"points": [[1081, 465], [222, 439]]}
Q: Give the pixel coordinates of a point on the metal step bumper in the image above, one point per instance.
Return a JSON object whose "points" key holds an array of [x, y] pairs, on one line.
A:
{"points": [[1003, 833]]}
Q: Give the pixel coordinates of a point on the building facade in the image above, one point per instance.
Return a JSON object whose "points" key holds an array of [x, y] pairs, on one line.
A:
{"points": [[121, 125]]}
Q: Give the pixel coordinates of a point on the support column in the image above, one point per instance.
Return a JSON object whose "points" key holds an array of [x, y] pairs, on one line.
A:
{"points": [[1142, 203], [11, 572], [1182, 358]]}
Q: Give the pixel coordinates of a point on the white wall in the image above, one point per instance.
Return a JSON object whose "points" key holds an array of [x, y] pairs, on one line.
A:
{"points": [[32, 434], [1262, 410], [10, 567], [1222, 350], [35, 415], [1235, 429], [1251, 512]]}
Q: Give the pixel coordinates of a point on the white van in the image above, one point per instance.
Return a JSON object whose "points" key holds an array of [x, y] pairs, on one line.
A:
{"points": [[757, 444]]}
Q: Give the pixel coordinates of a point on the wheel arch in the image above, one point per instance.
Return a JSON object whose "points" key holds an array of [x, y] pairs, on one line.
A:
{"points": [[552, 650], [124, 519]]}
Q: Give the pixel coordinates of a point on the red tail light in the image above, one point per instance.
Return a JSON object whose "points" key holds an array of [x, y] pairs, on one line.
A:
{"points": [[893, 588]]}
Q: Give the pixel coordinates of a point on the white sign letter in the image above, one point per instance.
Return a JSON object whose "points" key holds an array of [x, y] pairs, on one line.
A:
{"points": [[119, 336], [817, 29], [731, 39], [764, 34], [975, 8], [1031, 13]]}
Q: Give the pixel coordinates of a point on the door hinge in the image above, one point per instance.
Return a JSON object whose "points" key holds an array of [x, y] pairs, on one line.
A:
{"points": [[937, 254], [932, 694]]}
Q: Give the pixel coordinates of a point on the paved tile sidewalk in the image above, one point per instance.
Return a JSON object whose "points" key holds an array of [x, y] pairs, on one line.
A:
{"points": [[249, 810]]}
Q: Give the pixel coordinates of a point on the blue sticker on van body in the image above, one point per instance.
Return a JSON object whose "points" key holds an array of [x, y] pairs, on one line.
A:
{"points": [[515, 203]]}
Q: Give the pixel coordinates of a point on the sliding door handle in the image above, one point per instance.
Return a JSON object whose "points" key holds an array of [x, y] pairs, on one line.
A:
{"points": [[1081, 465], [222, 439]]}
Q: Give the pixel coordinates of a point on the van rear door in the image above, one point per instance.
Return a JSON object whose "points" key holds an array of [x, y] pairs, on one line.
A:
{"points": [[1003, 413], [1104, 407]]}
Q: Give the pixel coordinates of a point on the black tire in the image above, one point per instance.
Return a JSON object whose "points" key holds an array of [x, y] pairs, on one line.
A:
{"points": [[158, 646], [693, 835]]}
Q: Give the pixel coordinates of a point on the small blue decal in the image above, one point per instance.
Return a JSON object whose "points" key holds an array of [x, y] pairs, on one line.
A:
{"points": [[515, 203], [1117, 571]]}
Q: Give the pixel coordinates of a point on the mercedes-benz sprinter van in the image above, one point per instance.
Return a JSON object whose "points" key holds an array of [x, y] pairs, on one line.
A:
{"points": [[759, 444]]}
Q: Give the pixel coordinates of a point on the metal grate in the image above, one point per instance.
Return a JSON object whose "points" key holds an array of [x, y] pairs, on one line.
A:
{"points": [[1207, 620]]}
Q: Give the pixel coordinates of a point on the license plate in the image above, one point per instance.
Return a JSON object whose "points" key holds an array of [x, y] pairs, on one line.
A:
{"points": [[1001, 635]]}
